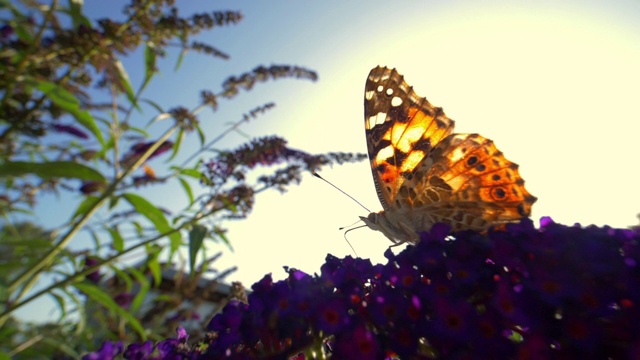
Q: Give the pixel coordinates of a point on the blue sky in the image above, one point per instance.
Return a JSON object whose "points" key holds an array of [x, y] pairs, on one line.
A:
{"points": [[554, 84]]}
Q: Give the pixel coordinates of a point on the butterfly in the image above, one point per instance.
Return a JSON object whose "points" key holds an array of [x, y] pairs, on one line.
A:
{"points": [[425, 174]]}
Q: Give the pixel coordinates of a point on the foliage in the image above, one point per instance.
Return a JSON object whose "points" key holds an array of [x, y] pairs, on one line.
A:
{"points": [[557, 292], [69, 115]]}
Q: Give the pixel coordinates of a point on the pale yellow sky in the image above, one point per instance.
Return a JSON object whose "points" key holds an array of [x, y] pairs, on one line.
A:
{"points": [[555, 88], [554, 84]]}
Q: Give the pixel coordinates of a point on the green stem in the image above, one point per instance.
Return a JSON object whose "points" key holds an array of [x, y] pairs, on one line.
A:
{"points": [[86, 271], [28, 275]]}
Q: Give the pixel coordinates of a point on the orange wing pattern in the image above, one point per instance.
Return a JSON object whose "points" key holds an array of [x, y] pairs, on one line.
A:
{"points": [[426, 174]]}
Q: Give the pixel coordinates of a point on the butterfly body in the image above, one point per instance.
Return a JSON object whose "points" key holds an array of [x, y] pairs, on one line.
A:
{"points": [[425, 174]]}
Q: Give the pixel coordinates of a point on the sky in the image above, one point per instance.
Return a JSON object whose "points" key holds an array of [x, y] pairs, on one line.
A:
{"points": [[554, 84]]}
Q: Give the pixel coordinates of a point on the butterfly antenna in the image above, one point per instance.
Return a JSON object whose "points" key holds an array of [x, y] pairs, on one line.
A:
{"points": [[337, 188], [348, 226]]}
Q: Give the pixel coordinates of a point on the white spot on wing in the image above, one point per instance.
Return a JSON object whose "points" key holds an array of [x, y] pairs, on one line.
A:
{"points": [[457, 154], [385, 153], [377, 119], [368, 95], [396, 101]]}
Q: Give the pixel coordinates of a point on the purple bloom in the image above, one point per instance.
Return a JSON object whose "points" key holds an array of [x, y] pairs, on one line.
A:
{"points": [[91, 261], [519, 292], [6, 31], [387, 307], [174, 349], [359, 343], [90, 187], [124, 299], [453, 318], [71, 130], [108, 351], [141, 148], [138, 149], [331, 315], [139, 351]]}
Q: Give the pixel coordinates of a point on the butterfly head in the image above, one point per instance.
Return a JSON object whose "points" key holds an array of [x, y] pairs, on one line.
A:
{"points": [[395, 230], [371, 221]]}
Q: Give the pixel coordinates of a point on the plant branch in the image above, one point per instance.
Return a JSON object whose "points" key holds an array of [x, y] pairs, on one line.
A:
{"points": [[77, 276], [46, 260]]}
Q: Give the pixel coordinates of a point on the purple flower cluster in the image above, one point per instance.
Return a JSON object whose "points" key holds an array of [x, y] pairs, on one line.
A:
{"points": [[90, 261], [264, 151], [140, 148], [70, 129], [554, 292], [170, 349]]}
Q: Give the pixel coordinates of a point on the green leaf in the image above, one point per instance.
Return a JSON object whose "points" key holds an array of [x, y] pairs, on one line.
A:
{"points": [[159, 117], [113, 201], [156, 217], [81, 319], [117, 239], [224, 238], [181, 58], [86, 204], [196, 237], [139, 131], [67, 101], [187, 189], [201, 135], [139, 228], [95, 237], [23, 33], [123, 77], [4, 356], [61, 347], [149, 65], [59, 299], [51, 170], [102, 153], [142, 292], [154, 105], [75, 12], [154, 264], [196, 174], [176, 145], [4, 293], [123, 276], [101, 297]]}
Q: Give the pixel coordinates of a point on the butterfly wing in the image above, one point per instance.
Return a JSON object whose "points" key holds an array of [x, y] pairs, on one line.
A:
{"points": [[425, 174], [467, 171], [401, 129]]}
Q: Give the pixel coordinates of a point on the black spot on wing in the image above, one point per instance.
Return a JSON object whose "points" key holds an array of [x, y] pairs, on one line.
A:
{"points": [[398, 158], [498, 193], [377, 133], [398, 114], [423, 144], [391, 160], [521, 210], [383, 144]]}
